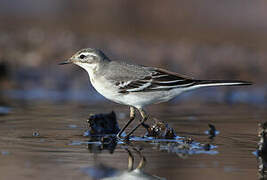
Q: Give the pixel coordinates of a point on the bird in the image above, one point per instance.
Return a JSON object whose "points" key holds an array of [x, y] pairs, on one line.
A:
{"points": [[136, 86]]}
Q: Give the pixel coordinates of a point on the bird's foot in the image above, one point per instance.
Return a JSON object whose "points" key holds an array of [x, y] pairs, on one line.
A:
{"points": [[123, 139]]}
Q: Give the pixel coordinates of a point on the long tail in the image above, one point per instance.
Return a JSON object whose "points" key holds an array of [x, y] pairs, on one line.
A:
{"points": [[206, 83]]}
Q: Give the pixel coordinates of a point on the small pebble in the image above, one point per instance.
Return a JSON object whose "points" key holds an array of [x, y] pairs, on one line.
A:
{"points": [[35, 134]]}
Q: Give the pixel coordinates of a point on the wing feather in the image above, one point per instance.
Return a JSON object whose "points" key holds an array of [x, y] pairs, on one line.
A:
{"points": [[158, 79]]}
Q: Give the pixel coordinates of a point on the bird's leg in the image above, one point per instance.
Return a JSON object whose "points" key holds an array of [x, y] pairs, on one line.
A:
{"points": [[146, 126], [144, 118], [130, 160], [132, 116], [142, 162]]}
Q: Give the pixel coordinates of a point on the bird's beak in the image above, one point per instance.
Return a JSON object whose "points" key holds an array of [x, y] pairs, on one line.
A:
{"points": [[65, 62]]}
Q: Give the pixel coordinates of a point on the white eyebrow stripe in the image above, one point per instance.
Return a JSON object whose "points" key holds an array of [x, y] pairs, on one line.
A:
{"points": [[87, 53]]}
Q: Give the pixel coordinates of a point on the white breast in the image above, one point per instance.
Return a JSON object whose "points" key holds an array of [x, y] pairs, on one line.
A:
{"points": [[107, 89], [136, 99]]}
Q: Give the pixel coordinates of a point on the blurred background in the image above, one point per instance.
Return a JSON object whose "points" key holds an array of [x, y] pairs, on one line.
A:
{"points": [[44, 107], [203, 39]]}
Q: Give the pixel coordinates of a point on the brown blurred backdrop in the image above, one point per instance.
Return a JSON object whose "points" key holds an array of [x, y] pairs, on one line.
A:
{"points": [[204, 39]]}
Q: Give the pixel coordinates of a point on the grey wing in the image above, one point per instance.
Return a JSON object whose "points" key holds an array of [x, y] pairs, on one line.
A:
{"points": [[156, 80]]}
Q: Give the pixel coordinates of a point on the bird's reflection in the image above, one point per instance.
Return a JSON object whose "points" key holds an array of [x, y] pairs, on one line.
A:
{"points": [[104, 172]]}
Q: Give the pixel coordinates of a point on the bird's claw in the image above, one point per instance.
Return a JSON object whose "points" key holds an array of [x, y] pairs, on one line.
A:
{"points": [[124, 139]]}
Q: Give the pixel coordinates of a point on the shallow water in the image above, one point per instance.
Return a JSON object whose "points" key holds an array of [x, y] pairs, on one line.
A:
{"points": [[45, 141]]}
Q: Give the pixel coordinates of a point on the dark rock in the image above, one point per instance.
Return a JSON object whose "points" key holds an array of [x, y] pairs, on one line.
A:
{"points": [[262, 151], [206, 147], [262, 144], [102, 124], [188, 140], [212, 131], [161, 130]]}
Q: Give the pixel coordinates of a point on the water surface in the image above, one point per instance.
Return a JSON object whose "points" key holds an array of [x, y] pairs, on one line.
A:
{"points": [[45, 141]]}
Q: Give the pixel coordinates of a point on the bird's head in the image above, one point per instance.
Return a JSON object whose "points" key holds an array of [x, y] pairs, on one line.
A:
{"points": [[89, 59]]}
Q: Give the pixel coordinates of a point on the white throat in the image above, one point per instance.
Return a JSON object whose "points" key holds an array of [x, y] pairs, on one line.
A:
{"points": [[90, 68]]}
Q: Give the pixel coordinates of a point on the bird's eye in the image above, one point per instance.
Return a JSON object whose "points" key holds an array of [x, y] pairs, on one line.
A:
{"points": [[82, 56]]}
